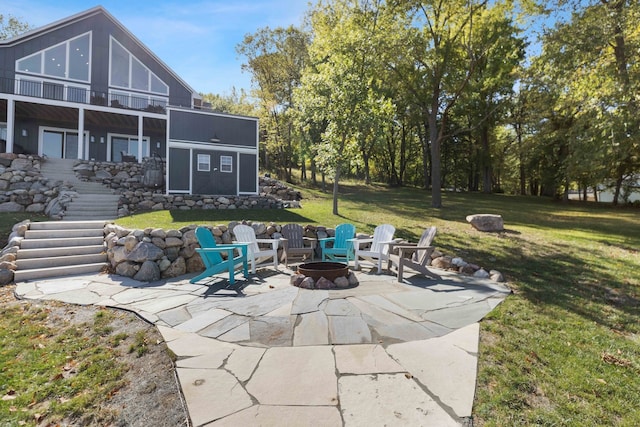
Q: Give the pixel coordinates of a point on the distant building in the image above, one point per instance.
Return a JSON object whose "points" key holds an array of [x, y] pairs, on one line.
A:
{"points": [[88, 75]]}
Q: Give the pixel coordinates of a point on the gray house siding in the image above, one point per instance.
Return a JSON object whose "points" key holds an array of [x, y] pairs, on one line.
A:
{"points": [[215, 181], [237, 131], [101, 29], [248, 171], [179, 175], [47, 111], [215, 135]]}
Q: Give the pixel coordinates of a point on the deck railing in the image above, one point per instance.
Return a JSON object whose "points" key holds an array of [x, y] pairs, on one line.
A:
{"points": [[67, 91]]}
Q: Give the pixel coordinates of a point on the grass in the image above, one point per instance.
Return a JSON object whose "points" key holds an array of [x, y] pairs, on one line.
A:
{"points": [[564, 349], [54, 373]]}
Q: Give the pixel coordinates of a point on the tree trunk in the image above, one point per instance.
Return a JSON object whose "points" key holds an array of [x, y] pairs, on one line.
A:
{"points": [[425, 156], [486, 160], [616, 194], [303, 169], [335, 190], [367, 176], [314, 177], [436, 190]]}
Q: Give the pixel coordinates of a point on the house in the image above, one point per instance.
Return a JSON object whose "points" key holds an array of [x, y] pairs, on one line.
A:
{"points": [[88, 75]]}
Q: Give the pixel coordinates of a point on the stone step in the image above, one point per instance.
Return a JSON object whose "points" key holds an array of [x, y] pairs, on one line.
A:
{"points": [[58, 252], [96, 203], [65, 233], [67, 270], [95, 207], [57, 243], [58, 261], [96, 198], [58, 225], [89, 216]]}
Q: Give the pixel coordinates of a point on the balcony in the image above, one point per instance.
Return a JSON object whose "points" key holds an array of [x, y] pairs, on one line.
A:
{"points": [[67, 91]]}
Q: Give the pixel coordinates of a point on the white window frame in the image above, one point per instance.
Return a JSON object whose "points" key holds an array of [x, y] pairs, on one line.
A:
{"points": [[204, 163], [129, 87], [42, 65], [226, 164]]}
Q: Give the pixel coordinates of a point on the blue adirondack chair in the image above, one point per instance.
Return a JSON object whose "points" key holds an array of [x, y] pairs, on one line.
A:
{"points": [[213, 261], [342, 250]]}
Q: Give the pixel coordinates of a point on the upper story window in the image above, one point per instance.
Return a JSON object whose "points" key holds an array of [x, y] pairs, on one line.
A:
{"points": [[70, 60], [127, 72]]}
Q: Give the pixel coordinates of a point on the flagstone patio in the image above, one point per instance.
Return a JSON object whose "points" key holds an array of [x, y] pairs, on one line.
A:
{"points": [[381, 353]]}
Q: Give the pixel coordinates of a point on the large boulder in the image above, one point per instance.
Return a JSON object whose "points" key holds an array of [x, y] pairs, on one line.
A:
{"points": [[145, 251], [149, 272], [486, 222]]}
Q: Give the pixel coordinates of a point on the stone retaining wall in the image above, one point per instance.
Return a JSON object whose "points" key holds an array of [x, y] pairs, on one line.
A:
{"points": [[126, 179], [23, 189], [154, 253]]}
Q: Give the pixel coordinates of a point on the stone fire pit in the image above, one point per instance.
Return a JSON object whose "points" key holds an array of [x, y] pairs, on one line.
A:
{"points": [[324, 275]]}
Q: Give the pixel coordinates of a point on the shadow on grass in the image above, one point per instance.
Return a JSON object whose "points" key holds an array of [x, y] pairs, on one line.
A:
{"points": [[264, 215]]}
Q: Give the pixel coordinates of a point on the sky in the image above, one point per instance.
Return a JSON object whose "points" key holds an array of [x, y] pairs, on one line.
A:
{"points": [[196, 39]]}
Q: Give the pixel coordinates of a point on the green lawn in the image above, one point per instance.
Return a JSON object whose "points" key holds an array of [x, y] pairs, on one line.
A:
{"points": [[564, 349]]}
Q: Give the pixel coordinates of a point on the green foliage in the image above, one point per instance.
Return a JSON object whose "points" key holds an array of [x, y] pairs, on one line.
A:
{"points": [[235, 103], [276, 58], [420, 92], [10, 26]]}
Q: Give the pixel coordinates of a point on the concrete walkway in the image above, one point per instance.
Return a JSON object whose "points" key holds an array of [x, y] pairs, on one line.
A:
{"points": [[379, 354]]}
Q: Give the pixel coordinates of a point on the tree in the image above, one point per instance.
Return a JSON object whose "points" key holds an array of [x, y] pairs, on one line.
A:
{"points": [[235, 103], [10, 26], [276, 58], [339, 87], [437, 55], [589, 63]]}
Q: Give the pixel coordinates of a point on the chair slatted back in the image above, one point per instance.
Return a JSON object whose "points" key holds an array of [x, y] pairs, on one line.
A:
{"points": [[206, 240], [344, 232], [246, 234], [382, 233], [425, 240], [294, 233]]}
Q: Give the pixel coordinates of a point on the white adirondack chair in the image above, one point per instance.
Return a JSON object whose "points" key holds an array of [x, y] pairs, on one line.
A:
{"points": [[246, 234], [379, 249], [415, 256]]}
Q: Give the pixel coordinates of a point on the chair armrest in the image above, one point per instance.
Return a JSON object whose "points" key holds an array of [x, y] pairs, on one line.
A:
{"points": [[410, 250], [285, 243], [356, 242], [393, 247], [312, 241], [324, 241], [229, 248], [273, 242]]}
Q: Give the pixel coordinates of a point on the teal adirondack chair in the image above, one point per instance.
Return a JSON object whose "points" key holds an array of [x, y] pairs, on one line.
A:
{"points": [[213, 261], [342, 250]]}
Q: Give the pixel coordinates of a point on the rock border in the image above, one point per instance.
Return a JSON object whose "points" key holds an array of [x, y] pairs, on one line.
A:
{"points": [[155, 253]]}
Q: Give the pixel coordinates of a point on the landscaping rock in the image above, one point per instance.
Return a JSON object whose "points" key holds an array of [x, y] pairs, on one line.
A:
{"points": [[481, 274], [486, 222], [145, 251], [149, 272], [6, 277]]}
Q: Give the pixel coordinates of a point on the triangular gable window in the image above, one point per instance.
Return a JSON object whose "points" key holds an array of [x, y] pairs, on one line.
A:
{"points": [[127, 72], [69, 60]]}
